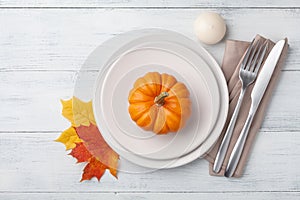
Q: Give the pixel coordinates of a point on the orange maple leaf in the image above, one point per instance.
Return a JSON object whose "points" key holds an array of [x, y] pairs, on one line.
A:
{"points": [[97, 146], [93, 169], [81, 153], [86, 141]]}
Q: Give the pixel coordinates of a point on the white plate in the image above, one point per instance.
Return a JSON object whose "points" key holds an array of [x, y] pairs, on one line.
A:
{"points": [[119, 80], [161, 35]]}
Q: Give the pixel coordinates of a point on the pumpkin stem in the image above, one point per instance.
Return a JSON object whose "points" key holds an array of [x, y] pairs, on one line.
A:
{"points": [[160, 99]]}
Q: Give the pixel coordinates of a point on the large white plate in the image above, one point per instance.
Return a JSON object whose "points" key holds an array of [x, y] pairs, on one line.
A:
{"points": [[216, 128], [119, 80]]}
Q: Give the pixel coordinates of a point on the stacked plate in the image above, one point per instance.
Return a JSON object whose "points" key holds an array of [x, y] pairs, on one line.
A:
{"points": [[132, 55]]}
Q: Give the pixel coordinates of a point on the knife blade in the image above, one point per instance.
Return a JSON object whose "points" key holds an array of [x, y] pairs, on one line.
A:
{"points": [[266, 72], [257, 93]]}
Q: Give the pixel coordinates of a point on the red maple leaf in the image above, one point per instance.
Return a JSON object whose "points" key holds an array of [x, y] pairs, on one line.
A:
{"points": [[93, 169], [81, 153], [97, 146]]}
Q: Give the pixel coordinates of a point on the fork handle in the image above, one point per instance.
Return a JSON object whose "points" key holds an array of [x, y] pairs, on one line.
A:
{"points": [[226, 140], [239, 146]]}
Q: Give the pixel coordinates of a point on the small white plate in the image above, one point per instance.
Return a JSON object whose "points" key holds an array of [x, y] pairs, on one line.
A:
{"points": [[119, 80], [185, 153]]}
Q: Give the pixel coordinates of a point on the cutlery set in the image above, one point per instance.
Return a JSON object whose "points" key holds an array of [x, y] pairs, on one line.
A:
{"points": [[251, 63]]}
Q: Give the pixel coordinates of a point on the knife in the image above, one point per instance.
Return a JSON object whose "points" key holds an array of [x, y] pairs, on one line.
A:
{"points": [[257, 93]]}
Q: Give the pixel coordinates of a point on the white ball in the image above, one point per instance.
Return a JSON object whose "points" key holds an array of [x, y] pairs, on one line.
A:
{"points": [[210, 27]]}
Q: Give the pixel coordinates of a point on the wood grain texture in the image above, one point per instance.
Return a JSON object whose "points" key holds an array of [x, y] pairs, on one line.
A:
{"points": [[156, 196], [61, 39], [31, 101], [34, 162], [43, 45], [147, 3]]}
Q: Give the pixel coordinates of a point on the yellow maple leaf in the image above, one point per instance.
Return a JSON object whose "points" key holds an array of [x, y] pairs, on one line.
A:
{"points": [[67, 110], [69, 138], [83, 113], [78, 112]]}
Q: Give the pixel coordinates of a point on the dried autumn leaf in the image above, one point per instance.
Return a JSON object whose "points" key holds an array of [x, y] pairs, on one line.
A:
{"points": [[93, 169], [69, 138], [86, 141], [78, 112], [83, 112], [97, 146], [67, 110], [81, 153]]}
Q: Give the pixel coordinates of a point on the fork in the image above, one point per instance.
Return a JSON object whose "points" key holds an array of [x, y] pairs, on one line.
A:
{"points": [[247, 74]]}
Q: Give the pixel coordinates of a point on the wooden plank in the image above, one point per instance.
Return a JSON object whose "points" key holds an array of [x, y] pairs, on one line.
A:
{"points": [[33, 162], [61, 39], [145, 3], [157, 196], [67, 196], [30, 101]]}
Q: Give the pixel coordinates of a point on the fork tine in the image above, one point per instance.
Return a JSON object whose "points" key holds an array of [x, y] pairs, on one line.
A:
{"points": [[249, 49], [262, 55], [254, 62], [248, 65]]}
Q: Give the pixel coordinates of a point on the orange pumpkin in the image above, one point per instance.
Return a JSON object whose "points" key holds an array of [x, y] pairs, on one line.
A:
{"points": [[159, 103]]}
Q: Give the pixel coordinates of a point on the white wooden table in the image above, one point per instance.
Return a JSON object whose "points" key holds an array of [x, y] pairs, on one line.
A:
{"points": [[43, 44]]}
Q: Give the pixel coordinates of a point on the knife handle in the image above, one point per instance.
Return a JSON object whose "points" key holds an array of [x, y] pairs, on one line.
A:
{"points": [[239, 146]]}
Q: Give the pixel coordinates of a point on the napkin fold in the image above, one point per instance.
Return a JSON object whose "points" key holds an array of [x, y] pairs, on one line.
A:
{"points": [[234, 53]]}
